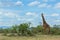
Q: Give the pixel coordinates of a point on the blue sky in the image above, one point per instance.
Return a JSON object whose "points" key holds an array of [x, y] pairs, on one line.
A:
{"points": [[19, 11]]}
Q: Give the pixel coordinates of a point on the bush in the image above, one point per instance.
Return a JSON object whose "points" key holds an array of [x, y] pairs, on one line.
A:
{"points": [[24, 29], [55, 30]]}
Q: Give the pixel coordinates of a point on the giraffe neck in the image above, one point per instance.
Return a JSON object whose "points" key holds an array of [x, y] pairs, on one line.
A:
{"points": [[44, 22]]}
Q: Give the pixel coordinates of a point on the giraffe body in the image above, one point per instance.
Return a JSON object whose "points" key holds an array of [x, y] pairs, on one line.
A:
{"points": [[45, 25]]}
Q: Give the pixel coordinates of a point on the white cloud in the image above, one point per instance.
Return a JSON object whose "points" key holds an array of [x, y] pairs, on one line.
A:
{"points": [[8, 18], [57, 20], [49, 6], [25, 19], [19, 3], [21, 19], [6, 24], [44, 5], [12, 18], [55, 14], [48, 0], [34, 3], [30, 19], [45, 0], [9, 14], [31, 14], [0, 12], [6, 4], [40, 5], [57, 5], [11, 4]]}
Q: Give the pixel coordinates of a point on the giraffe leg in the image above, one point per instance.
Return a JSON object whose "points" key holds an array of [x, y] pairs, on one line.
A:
{"points": [[49, 30], [44, 30]]}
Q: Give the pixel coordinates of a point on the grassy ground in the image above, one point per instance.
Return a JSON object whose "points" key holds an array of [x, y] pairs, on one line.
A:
{"points": [[38, 37]]}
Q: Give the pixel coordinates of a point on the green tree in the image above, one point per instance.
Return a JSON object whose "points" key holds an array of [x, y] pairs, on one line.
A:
{"points": [[23, 28], [55, 30]]}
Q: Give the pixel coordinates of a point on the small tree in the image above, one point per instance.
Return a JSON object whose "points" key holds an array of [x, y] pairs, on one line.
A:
{"points": [[5, 31], [39, 28], [55, 30], [23, 28]]}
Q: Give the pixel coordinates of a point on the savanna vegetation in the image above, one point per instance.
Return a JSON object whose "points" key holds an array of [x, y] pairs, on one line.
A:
{"points": [[24, 29], [25, 32]]}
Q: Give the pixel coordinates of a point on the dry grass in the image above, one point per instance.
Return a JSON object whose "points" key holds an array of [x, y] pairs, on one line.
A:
{"points": [[38, 37]]}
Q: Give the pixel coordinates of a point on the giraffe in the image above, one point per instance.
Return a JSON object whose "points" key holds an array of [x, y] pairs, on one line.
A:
{"points": [[45, 24]]}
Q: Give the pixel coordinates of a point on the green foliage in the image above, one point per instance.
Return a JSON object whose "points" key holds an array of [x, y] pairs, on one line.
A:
{"points": [[37, 29], [24, 29], [1, 30], [5, 31], [14, 29], [55, 30]]}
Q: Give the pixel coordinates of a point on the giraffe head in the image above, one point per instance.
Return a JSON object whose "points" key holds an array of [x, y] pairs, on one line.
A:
{"points": [[42, 14]]}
